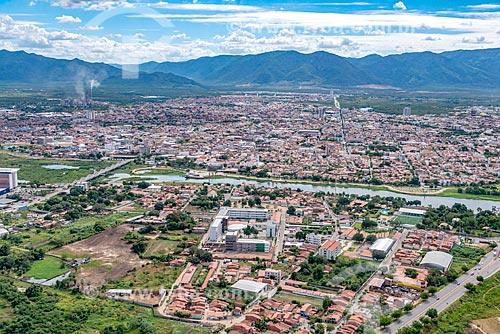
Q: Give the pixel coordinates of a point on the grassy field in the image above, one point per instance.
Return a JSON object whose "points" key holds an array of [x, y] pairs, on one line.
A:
{"points": [[47, 268], [163, 171], [160, 247], [32, 170], [453, 192], [78, 230], [151, 276], [5, 310], [289, 297], [409, 220], [466, 256]]}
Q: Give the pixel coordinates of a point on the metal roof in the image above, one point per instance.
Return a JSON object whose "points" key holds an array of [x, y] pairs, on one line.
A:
{"points": [[250, 286], [382, 245], [437, 259]]}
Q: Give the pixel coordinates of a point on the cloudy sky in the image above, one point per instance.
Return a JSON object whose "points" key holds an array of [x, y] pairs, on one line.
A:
{"points": [[133, 31]]}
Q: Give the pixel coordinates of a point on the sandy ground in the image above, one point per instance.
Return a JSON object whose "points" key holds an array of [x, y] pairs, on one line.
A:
{"points": [[488, 326], [111, 257]]}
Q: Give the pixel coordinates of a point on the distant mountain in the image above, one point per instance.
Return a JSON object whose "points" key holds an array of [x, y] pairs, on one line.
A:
{"points": [[476, 69], [38, 71], [464, 69], [278, 67]]}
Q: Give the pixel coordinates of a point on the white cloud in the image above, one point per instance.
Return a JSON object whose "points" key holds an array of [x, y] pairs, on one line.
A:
{"points": [[484, 7], [205, 7], [399, 5], [431, 38], [181, 36], [91, 28], [476, 40], [92, 5], [68, 19]]}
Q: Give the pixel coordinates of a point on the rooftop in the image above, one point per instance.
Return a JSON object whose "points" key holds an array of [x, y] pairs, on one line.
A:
{"points": [[250, 286]]}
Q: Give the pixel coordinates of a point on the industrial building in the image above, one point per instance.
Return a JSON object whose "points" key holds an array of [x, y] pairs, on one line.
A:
{"points": [[8, 179], [437, 260], [248, 286], [381, 248]]}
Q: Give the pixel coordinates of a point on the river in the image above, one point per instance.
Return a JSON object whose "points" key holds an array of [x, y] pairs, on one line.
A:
{"points": [[434, 201]]}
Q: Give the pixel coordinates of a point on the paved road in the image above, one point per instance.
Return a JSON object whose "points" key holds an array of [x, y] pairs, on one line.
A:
{"points": [[489, 265], [336, 229], [83, 179], [280, 236]]}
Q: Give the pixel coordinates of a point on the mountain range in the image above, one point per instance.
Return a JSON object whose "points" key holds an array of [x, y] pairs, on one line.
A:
{"points": [[475, 69], [465, 69], [37, 71]]}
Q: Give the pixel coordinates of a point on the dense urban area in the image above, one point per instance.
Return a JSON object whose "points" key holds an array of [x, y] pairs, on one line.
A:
{"points": [[248, 213]]}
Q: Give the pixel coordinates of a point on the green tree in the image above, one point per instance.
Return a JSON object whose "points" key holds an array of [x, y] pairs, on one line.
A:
{"points": [[291, 210], [4, 250], [432, 313], [327, 302], [358, 237], [371, 238], [139, 247]]}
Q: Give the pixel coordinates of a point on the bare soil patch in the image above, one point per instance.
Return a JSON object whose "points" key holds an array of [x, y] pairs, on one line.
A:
{"points": [[488, 326], [111, 257]]}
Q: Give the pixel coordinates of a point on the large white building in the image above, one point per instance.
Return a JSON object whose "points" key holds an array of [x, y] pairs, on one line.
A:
{"points": [[215, 230], [236, 213], [252, 246], [381, 247], [438, 260], [249, 286], [270, 229], [8, 178]]}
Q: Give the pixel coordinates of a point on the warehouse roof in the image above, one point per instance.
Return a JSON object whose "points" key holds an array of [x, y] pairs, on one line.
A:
{"points": [[249, 286], [437, 259], [382, 245]]}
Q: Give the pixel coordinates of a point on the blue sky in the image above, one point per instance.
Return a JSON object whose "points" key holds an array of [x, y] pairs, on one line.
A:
{"points": [[132, 31]]}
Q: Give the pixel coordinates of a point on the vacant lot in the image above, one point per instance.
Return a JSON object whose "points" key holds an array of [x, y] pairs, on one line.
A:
{"points": [[47, 268], [31, 169], [151, 276], [488, 326], [289, 297], [113, 257], [77, 230]]}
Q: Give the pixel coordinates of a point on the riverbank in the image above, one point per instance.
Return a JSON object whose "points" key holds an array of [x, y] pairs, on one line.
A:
{"points": [[451, 192]]}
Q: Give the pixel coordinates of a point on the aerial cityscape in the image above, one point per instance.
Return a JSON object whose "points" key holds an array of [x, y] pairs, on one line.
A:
{"points": [[246, 167]]}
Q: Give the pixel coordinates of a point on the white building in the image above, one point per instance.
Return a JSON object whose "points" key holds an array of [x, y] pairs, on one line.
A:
{"points": [[313, 238], [249, 286], [236, 213], [273, 274], [215, 230], [8, 178], [381, 247], [271, 229]]}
